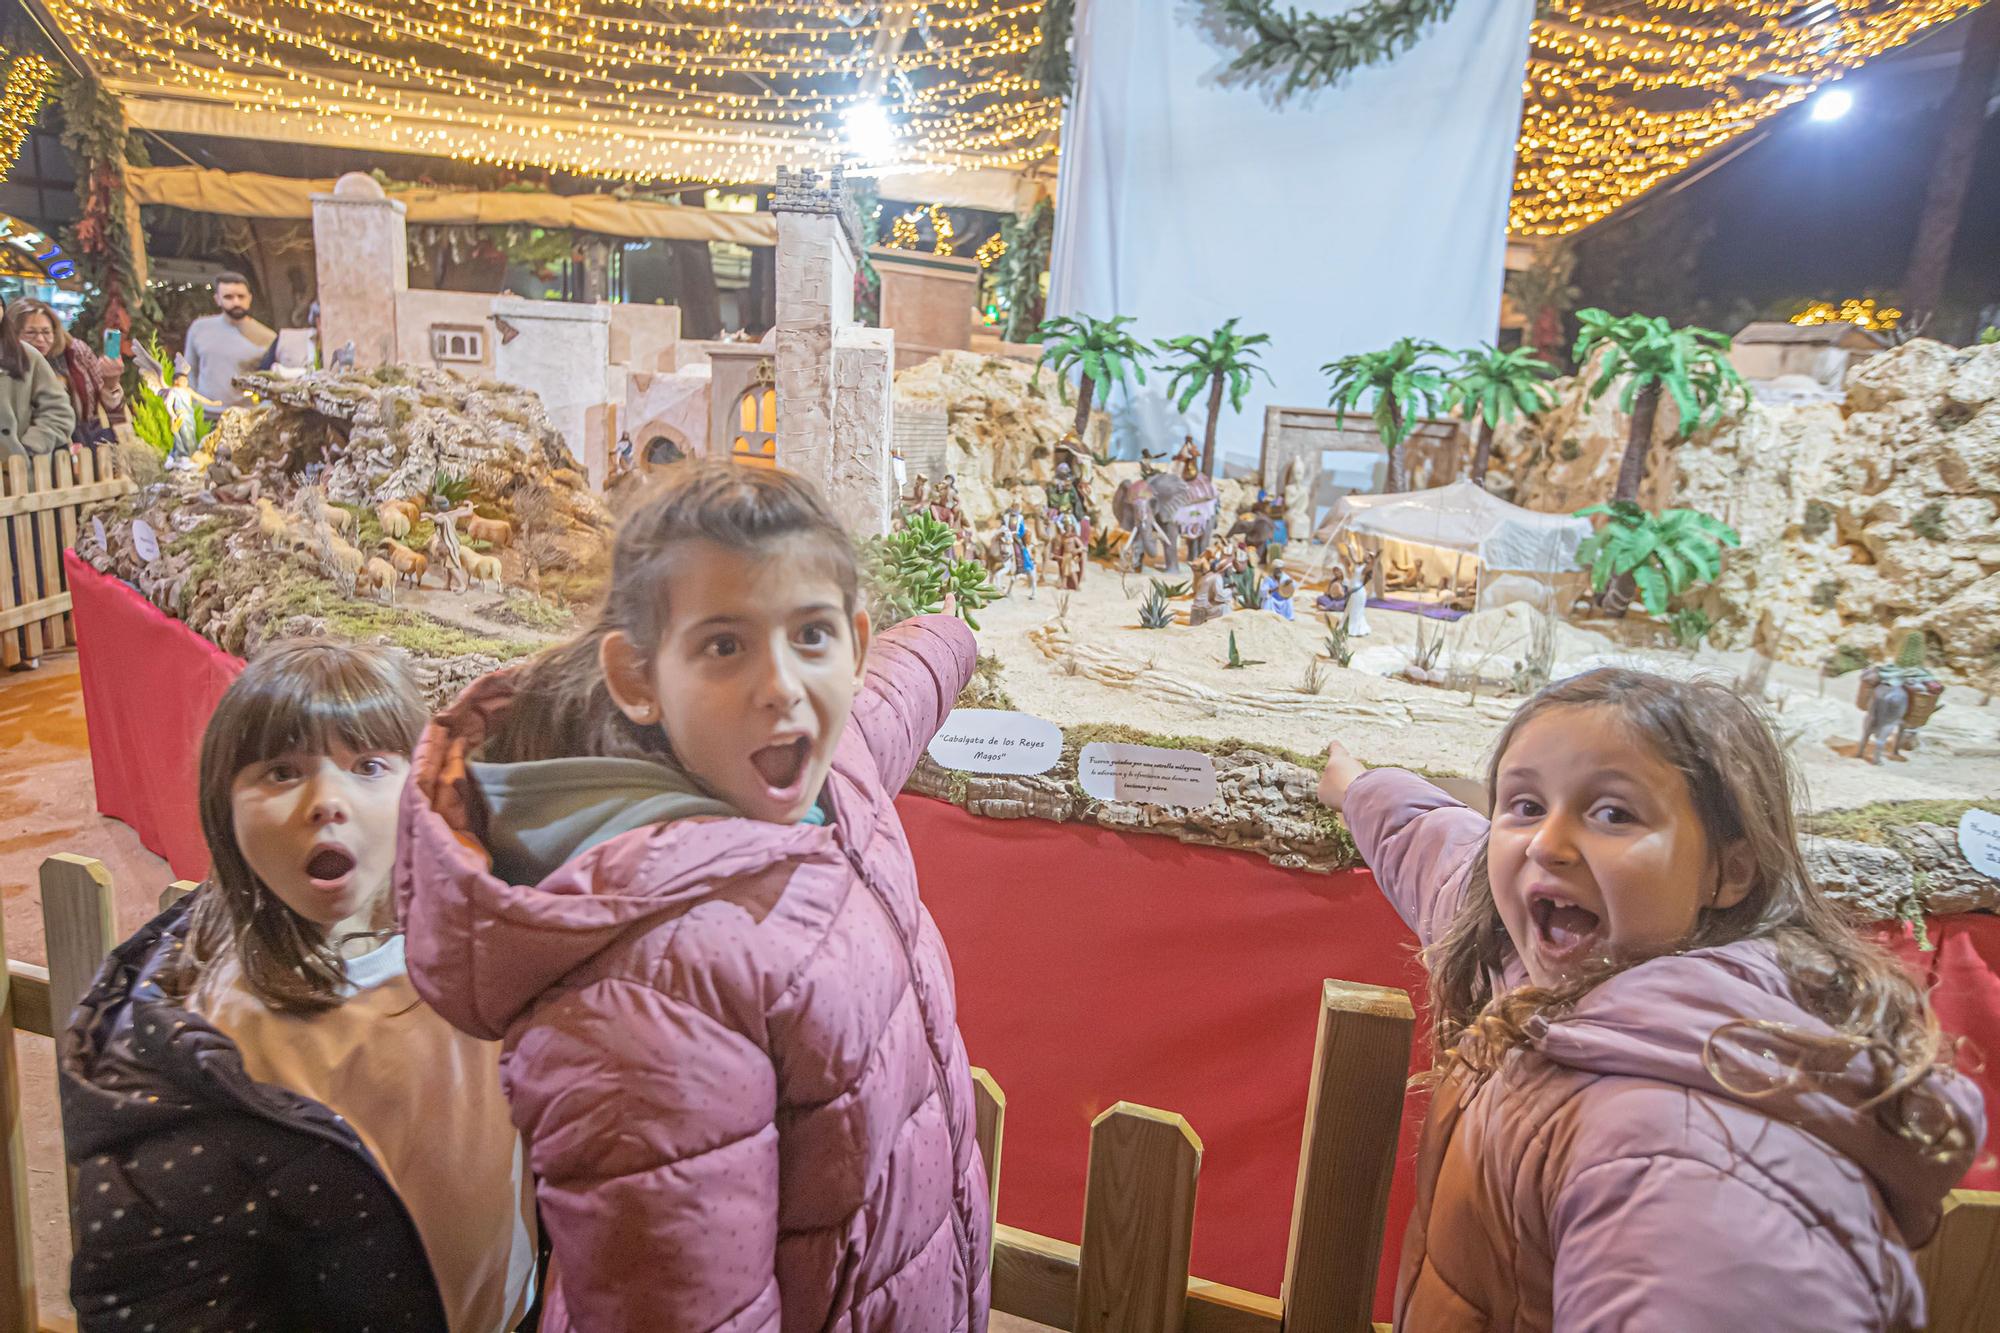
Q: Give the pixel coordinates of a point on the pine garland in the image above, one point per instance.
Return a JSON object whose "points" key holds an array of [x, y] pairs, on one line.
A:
{"points": [[95, 132], [1028, 239], [1312, 51], [1049, 62]]}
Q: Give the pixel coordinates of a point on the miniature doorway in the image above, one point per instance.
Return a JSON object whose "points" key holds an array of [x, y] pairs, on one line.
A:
{"points": [[756, 442]]}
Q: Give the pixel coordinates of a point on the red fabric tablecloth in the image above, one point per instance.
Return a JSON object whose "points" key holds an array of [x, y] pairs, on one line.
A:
{"points": [[1092, 966]]}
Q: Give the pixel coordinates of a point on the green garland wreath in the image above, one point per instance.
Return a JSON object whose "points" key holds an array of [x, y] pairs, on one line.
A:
{"points": [[1314, 51], [103, 145]]}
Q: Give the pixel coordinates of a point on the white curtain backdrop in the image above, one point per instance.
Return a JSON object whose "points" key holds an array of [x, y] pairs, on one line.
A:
{"points": [[1335, 221]]}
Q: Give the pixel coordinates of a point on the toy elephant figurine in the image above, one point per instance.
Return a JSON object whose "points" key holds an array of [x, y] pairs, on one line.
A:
{"points": [[1888, 705]]}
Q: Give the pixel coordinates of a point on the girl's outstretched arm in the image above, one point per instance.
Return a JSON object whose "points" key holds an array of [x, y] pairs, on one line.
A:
{"points": [[915, 671], [1419, 842]]}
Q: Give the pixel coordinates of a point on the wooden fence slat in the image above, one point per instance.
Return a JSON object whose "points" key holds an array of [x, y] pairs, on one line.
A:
{"points": [[989, 1106], [17, 1254], [176, 891], [31, 998], [36, 502], [48, 555], [1354, 1110], [66, 536], [1034, 1278], [1961, 1266], [19, 533], [80, 924], [1138, 1222]]}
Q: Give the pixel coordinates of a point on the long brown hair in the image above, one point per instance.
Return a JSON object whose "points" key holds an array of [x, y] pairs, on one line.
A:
{"points": [[29, 308], [563, 708], [14, 353], [296, 695], [1741, 784]]}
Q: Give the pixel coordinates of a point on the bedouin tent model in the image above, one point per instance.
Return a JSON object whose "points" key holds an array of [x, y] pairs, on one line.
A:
{"points": [[1439, 530]]}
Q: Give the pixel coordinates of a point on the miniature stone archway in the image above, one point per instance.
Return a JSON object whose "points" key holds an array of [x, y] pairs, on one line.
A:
{"points": [[664, 445], [755, 437]]}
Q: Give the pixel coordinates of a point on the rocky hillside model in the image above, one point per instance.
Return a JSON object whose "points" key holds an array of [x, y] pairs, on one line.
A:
{"points": [[297, 533], [1860, 521]]}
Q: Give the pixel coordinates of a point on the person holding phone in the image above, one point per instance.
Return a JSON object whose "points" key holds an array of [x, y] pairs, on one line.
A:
{"points": [[96, 397]]}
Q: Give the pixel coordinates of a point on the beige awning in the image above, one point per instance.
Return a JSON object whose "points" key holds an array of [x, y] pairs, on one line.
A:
{"points": [[250, 194]]}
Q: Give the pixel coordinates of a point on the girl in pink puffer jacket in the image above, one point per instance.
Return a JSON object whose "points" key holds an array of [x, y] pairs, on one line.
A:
{"points": [[663, 864], [1678, 1092]]}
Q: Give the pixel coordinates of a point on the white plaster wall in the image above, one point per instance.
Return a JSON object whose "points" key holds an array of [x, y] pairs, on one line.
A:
{"points": [[417, 310], [860, 481], [807, 268], [361, 261], [563, 353], [644, 337], [675, 405]]}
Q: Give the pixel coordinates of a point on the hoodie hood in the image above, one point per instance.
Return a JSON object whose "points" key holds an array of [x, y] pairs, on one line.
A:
{"points": [[510, 876], [540, 814], [1732, 1007]]}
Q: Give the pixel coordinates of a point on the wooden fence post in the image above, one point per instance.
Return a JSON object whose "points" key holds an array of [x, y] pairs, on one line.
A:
{"points": [[80, 921], [1354, 1110], [176, 891], [989, 1105], [1961, 1266], [17, 1254], [1138, 1222]]}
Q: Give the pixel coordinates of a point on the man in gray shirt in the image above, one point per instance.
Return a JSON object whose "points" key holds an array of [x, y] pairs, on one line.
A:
{"points": [[222, 346]]}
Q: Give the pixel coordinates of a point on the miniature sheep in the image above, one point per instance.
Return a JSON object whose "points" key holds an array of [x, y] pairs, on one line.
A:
{"points": [[492, 531], [407, 563], [482, 568], [345, 555], [342, 520], [377, 575], [395, 522]]}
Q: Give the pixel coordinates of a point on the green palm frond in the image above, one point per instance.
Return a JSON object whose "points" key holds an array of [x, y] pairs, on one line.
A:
{"points": [[1098, 350], [1496, 386], [1406, 383], [1665, 553], [1689, 365]]}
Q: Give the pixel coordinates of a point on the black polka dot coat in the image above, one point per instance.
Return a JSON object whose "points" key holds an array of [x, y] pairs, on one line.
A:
{"points": [[207, 1202]]}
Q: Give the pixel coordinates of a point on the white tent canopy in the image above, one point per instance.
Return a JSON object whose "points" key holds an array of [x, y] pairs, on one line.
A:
{"points": [[1438, 531]]}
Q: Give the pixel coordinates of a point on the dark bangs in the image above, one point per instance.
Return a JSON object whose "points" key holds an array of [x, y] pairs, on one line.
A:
{"points": [[307, 696]]}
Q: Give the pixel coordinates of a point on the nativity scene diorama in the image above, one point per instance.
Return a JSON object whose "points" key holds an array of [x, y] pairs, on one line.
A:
{"points": [[1402, 564]]}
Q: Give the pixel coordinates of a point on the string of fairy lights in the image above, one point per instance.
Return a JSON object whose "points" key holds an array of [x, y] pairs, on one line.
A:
{"points": [[1620, 94], [29, 79], [1608, 115]]}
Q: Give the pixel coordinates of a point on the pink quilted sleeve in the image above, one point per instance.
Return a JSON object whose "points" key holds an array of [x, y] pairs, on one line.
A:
{"points": [[650, 1129], [915, 671], [1419, 842]]}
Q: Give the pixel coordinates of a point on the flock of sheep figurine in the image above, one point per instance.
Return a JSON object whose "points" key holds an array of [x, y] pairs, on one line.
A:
{"points": [[396, 563]]}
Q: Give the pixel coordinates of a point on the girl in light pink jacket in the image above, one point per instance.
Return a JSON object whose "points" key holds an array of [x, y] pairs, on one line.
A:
{"points": [[1677, 1091], [663, 864]]}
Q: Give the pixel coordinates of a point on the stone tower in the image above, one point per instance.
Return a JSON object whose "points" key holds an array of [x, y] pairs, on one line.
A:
{"points": [[836, 391]]}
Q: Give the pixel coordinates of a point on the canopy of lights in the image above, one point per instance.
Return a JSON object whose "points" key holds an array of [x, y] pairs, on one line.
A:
{"points": [[1621, 94]]}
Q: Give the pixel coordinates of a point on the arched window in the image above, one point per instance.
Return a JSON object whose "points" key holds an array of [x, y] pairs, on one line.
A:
{"points": [[660, 451], [756, 441]]}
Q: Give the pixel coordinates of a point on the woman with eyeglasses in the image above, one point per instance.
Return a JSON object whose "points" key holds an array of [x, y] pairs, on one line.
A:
{"points": [[35, 412], [95, 395]]}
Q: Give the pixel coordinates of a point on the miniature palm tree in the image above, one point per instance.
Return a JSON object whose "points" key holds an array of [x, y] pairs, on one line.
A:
{"points": [[1689, 365], [1224, 360], [1407, 388], [1660, 555], [1498, 386], [1099, 350]]}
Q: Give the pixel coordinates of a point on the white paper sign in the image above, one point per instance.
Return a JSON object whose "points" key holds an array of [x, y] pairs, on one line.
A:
{"points": [[145, 541], [1146, 774], [97, 527], [1979, 839], [995, 740]]}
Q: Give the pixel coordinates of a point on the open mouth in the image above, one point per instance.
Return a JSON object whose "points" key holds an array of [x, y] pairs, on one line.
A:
{"points": [[783, 766], [1564, 932], [328, 866]]}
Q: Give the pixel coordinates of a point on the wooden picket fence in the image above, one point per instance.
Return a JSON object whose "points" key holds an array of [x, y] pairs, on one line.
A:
{"points": [[1130, 1274], [41, 507]]}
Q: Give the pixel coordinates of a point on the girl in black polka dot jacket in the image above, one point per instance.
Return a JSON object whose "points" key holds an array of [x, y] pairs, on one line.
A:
{"points": [[270, 1129]]}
